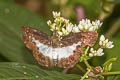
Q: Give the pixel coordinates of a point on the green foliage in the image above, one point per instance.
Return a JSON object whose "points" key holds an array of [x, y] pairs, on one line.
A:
{"points": [[116, 1], [117, 77], [24, 71], [114, 53], [107, 66], [12, 18]]}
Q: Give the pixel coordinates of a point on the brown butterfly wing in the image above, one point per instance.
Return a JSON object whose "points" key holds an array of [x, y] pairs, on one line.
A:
{"points": [[28, 34], [86, 38]]}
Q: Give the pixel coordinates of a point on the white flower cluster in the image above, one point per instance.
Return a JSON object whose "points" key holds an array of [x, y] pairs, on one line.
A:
{"points": [[64, 27], [66, 30], [104, 43], [87, 26], [98, 52], [61, 25]]}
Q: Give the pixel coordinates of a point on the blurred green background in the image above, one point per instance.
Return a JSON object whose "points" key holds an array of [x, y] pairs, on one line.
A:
{"points": [[17, 13]]}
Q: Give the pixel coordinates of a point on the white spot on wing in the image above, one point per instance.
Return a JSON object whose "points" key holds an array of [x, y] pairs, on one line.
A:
{"points": [[56, 53]]}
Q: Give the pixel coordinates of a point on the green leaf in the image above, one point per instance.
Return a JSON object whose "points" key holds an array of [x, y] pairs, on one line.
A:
{"points": [[12, 17], [25, 71], [117, 1], [107, 66], [114, 52], [116, 77], [92, 7]]}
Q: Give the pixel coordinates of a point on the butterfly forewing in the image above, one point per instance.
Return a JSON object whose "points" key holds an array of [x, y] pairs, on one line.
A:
{"points": [[86, 38], [30, 33]]}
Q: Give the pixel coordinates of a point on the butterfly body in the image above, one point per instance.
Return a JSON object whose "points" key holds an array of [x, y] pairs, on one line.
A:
{"points": [[52, 51]]}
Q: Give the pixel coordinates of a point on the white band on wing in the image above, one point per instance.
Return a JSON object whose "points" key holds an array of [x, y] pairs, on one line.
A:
{"points": [[56, 53]]}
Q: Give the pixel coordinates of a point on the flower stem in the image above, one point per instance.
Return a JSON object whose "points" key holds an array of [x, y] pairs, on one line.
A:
{"points": [[85, 60], [85, 74], [87, 64], [86, 51], [81, 68], [110, 73]]}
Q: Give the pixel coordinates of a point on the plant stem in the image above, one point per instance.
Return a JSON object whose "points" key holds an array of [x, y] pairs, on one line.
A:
{"points": [[87, 64], [110, 73], [86, 51], [81, 68], [85, 75], [85, 61]]}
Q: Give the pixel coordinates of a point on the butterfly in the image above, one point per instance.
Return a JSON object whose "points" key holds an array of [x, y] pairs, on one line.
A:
{"points": [[52, 51]]}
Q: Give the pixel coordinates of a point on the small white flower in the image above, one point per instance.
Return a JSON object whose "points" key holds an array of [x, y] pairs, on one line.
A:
{"points": [[49, 22], [80, 27], [60, 33], [91, 29], [95, 28], [100, 43], [92, 52], [56, 20], [69, 27], [93, 23], [110, 44], [66, 21], [105, 43], [86, 26], [75, 29], [63, 30], [98, 23], [61, 19], [91, 55], [53, 27], [66, 33], [100, 52], [56, 14], [102, 38]]}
